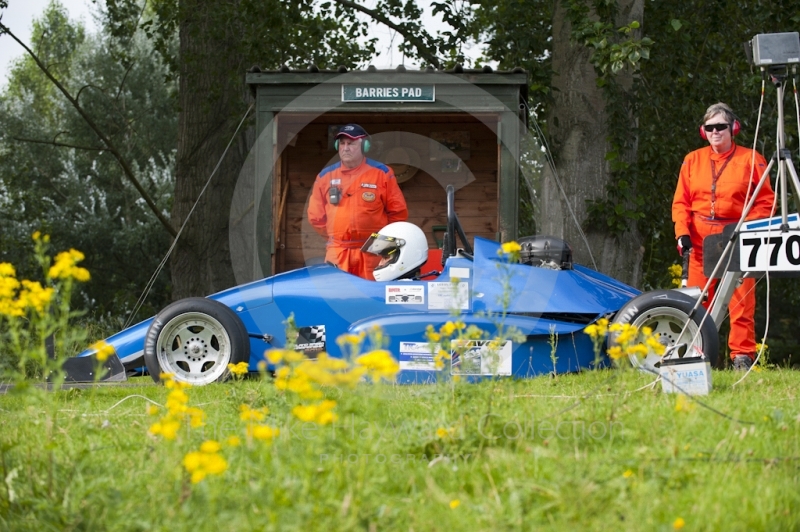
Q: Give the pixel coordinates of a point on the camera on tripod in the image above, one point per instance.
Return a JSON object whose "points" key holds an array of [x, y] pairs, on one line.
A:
{"points": [[773, 49]]}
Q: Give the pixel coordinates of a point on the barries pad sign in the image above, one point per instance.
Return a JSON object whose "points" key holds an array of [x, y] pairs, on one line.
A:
{"points": [[388, 93]]}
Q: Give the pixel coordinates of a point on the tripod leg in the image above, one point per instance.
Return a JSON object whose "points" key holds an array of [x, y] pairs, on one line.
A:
{"points": [[729, 283]]}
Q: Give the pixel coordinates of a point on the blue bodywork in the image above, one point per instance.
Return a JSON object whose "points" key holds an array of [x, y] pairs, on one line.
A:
{"points": [[547, 306]]}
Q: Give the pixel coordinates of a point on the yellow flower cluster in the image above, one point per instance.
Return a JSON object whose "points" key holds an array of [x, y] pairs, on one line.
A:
{"points": [[321, 413], [445, 433], [444, 338], [598, 329], [684, 404], [178, 410], [103, 350], [238, 370], [628, 339], [254, 429], [206, 461], [511, 251], [18, 296], [65, 267], [675, 273], [306, 378], [379, 364]]}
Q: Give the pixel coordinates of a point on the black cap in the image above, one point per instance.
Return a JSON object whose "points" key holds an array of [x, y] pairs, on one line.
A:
{"points": [[354, 131]]}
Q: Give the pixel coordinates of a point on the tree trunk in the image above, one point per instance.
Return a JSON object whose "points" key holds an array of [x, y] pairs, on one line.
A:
{"points": [[578, 125], [211, 97]]}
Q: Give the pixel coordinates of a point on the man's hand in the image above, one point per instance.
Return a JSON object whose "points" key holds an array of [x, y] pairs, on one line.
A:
{"points": [[684, 244]]}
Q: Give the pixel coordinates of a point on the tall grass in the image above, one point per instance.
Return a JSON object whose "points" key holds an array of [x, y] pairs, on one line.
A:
{"points": [[589, 451]]}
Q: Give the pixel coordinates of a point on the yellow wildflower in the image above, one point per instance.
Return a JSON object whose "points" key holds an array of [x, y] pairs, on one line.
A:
{"points": [[321, 413], [675, 273], [204, 462], [65, 266], [196, 417], [239, 369], [7, 270], [431, 334], [380, 365], [152, 410], [328, 362], [167, 428], [679, 523], [233, 441], [627, 474], [448, 328], [511, 247], [443, 433], [684, 404], [350, 339], [210, 446], [615, 352], [252, 414], [598, 329], [638, 350], [103, 350], [263, 432], [455, 503], [655, 345]]}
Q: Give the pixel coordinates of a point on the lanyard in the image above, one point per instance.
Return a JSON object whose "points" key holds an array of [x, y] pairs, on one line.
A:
{"points": [[714, 176]]}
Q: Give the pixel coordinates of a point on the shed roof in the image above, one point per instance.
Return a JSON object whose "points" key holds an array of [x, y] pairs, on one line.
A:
{"points": [[313, 75]]}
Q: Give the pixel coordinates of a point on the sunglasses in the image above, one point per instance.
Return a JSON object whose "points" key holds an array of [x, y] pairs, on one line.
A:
{"points": [[711, 127]]}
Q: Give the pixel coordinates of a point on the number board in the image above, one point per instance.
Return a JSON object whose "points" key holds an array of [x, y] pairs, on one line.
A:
{"points": [[761, 251]]}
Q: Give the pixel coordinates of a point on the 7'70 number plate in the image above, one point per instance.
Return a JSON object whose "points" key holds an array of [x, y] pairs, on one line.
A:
{"points": [[769, 251]]}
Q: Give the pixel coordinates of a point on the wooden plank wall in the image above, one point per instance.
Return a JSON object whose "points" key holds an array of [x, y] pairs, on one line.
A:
{"points": [[476, 202]]}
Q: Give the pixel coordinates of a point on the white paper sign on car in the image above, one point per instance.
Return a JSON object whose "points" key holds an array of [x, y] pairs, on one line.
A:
{"points": [[448, 296], [405, 294], [459, 273], [417, 355], [481, 357]]}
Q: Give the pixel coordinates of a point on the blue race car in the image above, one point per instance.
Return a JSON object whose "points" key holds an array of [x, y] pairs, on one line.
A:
{"points": [[546, 298]]}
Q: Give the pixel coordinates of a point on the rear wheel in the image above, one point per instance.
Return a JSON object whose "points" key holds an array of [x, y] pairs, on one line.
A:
{"points": [[195, 339], [666, 312]]}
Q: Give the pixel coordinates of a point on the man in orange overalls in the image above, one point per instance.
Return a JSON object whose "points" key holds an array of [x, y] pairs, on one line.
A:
{"points": [[715, 184], [351, 200]]}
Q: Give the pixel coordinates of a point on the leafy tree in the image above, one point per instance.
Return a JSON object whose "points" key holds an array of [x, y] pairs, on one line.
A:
{"points": [[58, 177]]}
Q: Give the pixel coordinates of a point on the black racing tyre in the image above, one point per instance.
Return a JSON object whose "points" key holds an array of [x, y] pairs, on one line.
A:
{"points": [[195, 339], [666, 312]]}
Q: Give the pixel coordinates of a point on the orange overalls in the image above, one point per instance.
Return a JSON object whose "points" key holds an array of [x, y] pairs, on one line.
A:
{"points": [[369, 198], [703, 205]]}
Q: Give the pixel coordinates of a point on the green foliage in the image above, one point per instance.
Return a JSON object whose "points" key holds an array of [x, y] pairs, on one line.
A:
{"points": [[612, 50], [55, 175], [518, 34], [698, 60]]}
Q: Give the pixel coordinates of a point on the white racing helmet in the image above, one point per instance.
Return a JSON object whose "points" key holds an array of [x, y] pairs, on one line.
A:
{"points": [[402, 247]]}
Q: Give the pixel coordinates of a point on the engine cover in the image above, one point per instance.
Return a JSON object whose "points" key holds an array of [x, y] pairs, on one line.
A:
{"points": [[545, 252]]}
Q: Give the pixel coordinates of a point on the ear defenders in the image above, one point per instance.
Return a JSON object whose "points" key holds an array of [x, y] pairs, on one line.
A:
{"points": [[365, 144], [735, 128]]}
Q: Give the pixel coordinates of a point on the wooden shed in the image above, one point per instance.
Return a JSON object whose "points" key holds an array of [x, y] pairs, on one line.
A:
{"points": [[434, 128]]}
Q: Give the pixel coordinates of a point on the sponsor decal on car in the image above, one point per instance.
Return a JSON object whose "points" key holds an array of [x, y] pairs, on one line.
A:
{"points": [[481, 357], [417, 355], [405, 295], [310, 340]]}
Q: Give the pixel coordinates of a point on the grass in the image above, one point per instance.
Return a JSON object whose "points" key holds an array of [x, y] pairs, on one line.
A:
{"points": [[593, 451]]}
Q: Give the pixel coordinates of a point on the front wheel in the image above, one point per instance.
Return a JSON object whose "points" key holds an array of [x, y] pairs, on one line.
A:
{"points": [[666, 312], [195, 339]]}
